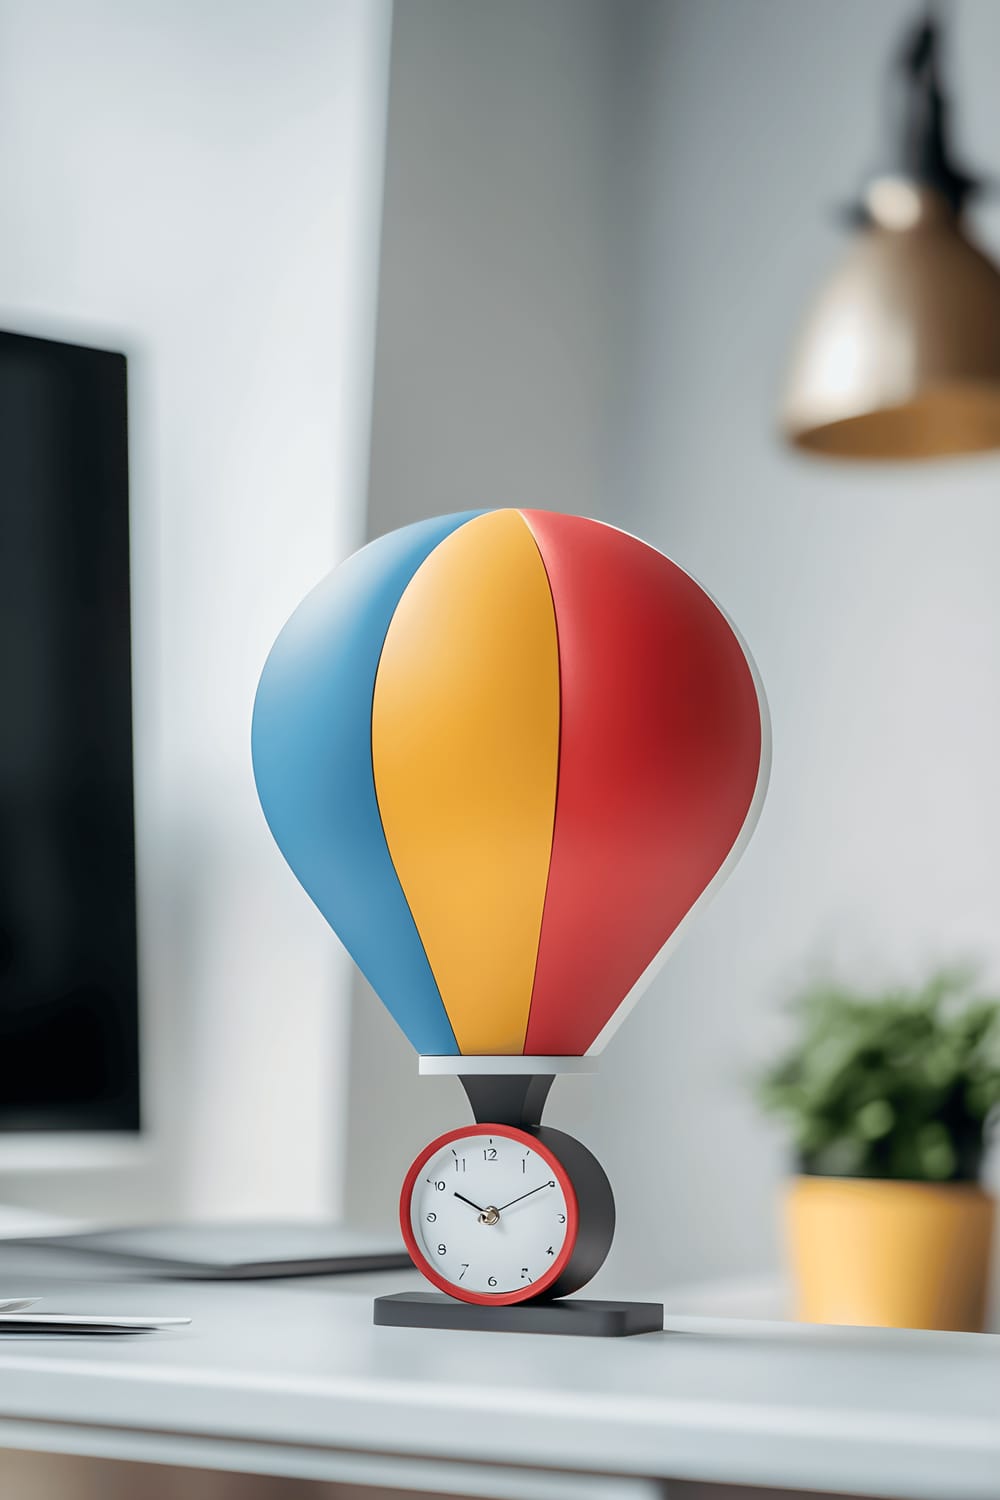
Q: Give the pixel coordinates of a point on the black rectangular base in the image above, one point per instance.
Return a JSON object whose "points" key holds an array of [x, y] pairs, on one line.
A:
{"points": [[570, 1315]]}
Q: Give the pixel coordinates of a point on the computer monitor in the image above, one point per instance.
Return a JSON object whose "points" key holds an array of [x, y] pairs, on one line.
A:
{"points": [[68, 962]]}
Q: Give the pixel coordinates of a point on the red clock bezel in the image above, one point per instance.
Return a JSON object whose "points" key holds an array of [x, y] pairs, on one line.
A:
{"points": [[488, 1299]]}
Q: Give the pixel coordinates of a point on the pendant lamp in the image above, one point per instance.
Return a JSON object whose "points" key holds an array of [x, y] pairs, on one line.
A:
{"points": [[900, 356]]}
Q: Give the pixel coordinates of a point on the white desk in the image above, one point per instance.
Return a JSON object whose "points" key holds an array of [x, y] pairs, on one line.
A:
{"points": [[291, 1379]]}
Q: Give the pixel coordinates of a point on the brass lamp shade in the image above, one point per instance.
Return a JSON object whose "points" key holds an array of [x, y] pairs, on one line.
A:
{"points": [[900, 355]]}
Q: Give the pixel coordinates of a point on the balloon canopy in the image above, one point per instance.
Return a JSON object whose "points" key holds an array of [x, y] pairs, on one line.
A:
{"points": [[507, 753]]}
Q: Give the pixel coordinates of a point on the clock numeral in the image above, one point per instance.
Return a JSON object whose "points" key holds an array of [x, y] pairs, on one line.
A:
{"points": [[561, 1218], [524, 1273], [459, 1164], [432, 1218], [492, 1281], [439, 1186], [550, 1251], [490, 1153], [465, 1267], [442, 1249]]}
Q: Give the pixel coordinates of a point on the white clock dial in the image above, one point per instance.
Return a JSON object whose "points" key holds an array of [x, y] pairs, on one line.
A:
{"points": [[489, 1215]]}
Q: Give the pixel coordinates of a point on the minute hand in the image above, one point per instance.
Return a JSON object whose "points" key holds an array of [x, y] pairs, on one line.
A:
{"points": [[525, 1195]]}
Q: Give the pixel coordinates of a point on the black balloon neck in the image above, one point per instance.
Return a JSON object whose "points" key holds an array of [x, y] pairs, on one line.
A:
{"points": [[516, 1099]]}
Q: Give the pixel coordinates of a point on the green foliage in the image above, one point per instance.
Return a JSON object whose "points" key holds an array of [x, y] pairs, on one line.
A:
{"points": [[896, 1085]]}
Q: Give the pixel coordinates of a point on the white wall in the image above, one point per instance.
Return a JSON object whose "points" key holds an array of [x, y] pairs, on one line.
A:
{"points": [[589, 287], [200, 185]]}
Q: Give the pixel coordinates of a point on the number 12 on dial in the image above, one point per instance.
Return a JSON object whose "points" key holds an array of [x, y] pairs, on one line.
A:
{"points": [[491, 1214]]}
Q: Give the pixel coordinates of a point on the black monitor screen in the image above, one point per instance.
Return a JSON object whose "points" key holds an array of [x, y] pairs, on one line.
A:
{"points": [[68, 982]]}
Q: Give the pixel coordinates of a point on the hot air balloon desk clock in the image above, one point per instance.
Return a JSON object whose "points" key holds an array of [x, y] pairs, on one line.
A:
{"points": [[508, 754]]}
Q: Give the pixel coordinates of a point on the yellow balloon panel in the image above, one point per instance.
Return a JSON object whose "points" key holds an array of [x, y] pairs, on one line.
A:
{"points": [[465, 747]]}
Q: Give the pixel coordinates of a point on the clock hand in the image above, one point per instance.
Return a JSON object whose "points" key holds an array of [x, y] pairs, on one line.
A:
{"points": [[526, 1195], [486, 1215], [470, 1203]]}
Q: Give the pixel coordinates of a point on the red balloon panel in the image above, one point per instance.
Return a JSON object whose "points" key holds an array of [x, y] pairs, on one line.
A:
{"points": [[660, 746]]}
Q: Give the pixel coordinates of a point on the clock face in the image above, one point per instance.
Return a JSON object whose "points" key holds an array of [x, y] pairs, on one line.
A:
{"points": [[489, 1215]]}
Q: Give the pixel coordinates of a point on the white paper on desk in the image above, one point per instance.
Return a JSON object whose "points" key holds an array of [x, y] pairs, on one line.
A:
{"points": [[22, 1324]]}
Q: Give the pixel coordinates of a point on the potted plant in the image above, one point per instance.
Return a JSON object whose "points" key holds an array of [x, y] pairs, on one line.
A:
{"points": [[888, 1097]]}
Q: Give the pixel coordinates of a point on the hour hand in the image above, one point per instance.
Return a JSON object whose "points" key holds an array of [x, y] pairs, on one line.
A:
{"points": [[469, 1202]]}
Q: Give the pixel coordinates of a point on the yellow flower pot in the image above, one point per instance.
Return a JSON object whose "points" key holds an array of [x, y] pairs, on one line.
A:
{"points": [[890, 1254]]}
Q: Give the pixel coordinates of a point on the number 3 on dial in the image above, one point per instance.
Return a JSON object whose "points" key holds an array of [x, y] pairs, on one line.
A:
{"points": [[492, 1214]]}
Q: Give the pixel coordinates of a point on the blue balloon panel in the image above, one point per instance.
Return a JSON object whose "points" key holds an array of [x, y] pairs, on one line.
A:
{"points": [[312, 759]]}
